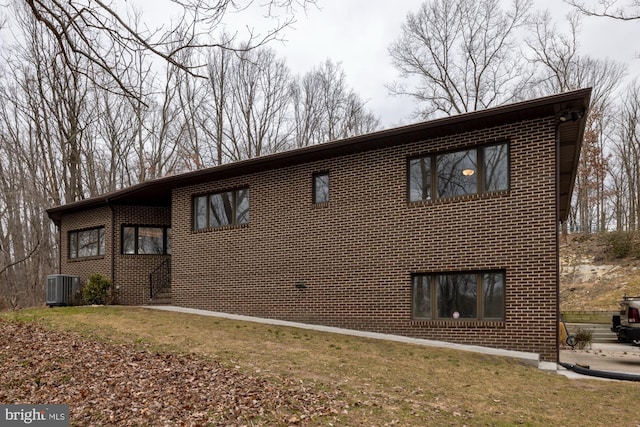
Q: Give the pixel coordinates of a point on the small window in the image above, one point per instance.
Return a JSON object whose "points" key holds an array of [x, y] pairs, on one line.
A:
{"points": [[86, 243], [496, 167], [321, 187], [420, 179], [493, 295], [242, 206], [224, 209], [143, 240], [220, 209], [200, 212], [473, 295], [421, 297], [128, 240]]}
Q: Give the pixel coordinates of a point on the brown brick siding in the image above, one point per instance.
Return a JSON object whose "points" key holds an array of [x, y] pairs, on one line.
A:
{"points": [[85, 267], [132, 271], [129, 273], [356, 254]]}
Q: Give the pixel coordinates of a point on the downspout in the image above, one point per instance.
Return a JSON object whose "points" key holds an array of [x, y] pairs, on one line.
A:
{"points": [[113, 246], [59, 248], [560, 118], [557, 224]]}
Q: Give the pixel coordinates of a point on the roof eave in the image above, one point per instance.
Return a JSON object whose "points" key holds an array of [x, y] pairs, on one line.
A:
{"points": [[159, 190]]}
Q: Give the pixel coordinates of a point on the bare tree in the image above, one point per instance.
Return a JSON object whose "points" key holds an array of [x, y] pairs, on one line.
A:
{"points": [[461, 55], [196, 119], [86, 28], [627, 160], [615, 9], [113, 137], [554, 53], [57, 98], [26, 239], [307, 110], [325, 109], [257, 105], [560, 68], [219, 75]]}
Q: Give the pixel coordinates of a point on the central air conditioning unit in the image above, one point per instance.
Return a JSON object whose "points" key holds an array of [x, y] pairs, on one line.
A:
{"points": [[61, 289]]}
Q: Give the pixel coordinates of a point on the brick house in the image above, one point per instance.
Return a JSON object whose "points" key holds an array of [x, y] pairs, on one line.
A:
{"points": [[446, 229]]}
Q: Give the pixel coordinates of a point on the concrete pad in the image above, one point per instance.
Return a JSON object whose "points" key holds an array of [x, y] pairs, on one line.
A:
{"points": [[611, 357]]}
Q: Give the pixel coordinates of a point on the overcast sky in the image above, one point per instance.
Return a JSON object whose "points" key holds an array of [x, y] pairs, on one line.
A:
{"points": [[357, 34]]}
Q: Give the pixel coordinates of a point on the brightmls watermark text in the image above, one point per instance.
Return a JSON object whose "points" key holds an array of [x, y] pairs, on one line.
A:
{"points": [[34, 415]]}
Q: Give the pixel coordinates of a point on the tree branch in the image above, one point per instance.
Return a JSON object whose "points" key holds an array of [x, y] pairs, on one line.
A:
{"points": [[26, 257], [608, 9]]}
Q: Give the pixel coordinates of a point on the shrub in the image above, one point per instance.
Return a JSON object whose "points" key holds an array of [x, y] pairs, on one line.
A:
{"points": [[583, 338], [619, 243], [97, 289]]}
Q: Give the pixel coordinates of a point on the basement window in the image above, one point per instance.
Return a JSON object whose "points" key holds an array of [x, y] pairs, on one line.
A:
{"points": [[464, 296]]}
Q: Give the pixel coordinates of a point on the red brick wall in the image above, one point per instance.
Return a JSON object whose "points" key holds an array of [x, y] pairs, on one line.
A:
{"points": [[356, 254]]}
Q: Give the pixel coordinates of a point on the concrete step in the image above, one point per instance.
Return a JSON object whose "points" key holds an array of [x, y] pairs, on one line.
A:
{"points": [[162, 301], [161, 298]]}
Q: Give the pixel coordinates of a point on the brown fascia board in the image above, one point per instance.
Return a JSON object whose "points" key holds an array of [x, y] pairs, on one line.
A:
{"points": [[158, 191]]}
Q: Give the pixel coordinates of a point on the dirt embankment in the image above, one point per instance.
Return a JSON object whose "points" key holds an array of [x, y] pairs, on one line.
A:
{"points": [[593, 275]]}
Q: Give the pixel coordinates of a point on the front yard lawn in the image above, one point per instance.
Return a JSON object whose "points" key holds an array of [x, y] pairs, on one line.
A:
{"points": [[135, 366]]}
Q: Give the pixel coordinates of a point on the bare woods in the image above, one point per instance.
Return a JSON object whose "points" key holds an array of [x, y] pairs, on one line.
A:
{"points": [[93, 100]]}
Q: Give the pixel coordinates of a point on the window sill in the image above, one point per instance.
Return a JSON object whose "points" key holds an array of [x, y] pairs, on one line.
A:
{"points": [[226, 227], [86, 258], [475, 323], [145, 255], [320, 205], [463, 198]]}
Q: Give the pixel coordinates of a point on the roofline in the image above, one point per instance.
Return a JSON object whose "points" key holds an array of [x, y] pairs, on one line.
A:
{"points": [[545, 106]]}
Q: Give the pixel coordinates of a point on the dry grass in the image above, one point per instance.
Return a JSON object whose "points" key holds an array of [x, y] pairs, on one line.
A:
{"points": [[385, 383]]}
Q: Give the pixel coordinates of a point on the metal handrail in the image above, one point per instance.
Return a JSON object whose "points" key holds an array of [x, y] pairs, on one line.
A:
{"points": [[160, 278]]}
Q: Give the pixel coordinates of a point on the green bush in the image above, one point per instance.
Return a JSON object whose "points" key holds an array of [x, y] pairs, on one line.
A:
{"points": [[620, 244], [97, 290]]}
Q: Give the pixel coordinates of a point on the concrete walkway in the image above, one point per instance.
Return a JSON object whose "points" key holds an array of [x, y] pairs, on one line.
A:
{"points": [[613, 357], [529, 358]]}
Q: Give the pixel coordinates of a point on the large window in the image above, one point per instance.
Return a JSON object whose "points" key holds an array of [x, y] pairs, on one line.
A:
{"points": [[147, 240], [321, 187], [473, 295], [473, 171], [229, 208], [86, 243]]}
